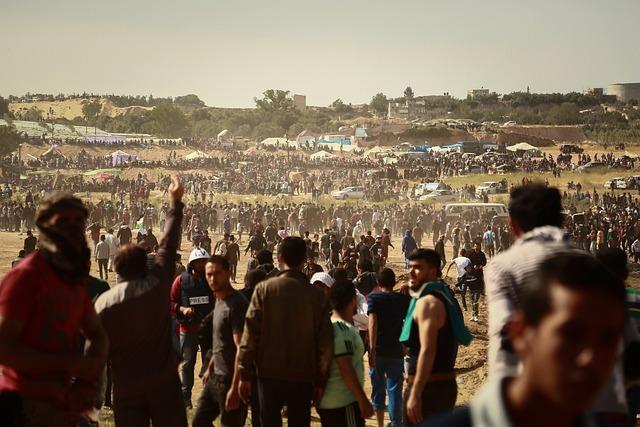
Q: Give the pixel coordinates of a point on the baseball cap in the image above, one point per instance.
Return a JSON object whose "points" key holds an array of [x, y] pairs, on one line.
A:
{"points": [[327, 280]]}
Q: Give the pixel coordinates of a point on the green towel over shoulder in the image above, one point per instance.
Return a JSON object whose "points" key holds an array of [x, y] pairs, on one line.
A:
{"points": [[460, 330]]}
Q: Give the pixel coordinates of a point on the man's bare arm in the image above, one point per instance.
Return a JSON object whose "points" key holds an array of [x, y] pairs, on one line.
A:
{"points": [[430, 315]]}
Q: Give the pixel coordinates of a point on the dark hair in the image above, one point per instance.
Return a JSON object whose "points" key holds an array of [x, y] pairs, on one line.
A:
{"points": [[430, 256], [253, 277], [264, 256], [293, 251], [535, 205], [342, 293], [131, 262], [102, 237], [615, 260], [365, 264], [221, 261], [579, 272], [386, 278], [338, 273]]}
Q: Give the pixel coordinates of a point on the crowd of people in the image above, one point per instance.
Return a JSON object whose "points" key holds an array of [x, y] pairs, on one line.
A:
{"points": [[318, 297]]}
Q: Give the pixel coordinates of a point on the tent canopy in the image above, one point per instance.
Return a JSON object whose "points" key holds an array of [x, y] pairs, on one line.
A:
{"points": [[52, 151], [522, 146], [197, 155], [119, 153], [375, 151], [322, 155]]}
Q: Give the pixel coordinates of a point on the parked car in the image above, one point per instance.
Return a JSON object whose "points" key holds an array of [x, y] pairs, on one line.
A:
{"points": [[439, 196], [618, 183], [571, 149], [428, 187], [592, 165], [491, 187], [348, 193]]}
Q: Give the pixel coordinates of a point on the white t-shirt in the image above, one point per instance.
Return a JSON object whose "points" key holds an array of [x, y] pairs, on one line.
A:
{"points": [[461, 262]]}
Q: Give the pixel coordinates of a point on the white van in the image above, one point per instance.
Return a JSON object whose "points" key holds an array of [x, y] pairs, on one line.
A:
{"points": [[429, 187]]}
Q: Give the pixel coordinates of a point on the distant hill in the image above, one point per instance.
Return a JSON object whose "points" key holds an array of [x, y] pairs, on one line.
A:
{"points": [[69, 109]]}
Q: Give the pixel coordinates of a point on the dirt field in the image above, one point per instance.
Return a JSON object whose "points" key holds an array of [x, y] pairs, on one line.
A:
{"points": [[471, 360]]}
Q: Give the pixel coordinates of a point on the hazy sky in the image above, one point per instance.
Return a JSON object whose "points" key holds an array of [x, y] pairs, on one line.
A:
{"points": [[228, 51]]}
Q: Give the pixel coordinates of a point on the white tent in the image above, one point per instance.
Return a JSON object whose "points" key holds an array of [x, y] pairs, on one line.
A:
{"points": [[321, 155], [118, 157], [197, 155], [224, 135], [523, 146], [372, 152]]}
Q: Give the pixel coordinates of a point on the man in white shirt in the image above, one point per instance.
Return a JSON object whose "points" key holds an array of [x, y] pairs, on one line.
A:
{"points": [[461, 262], [102, 257], [113, 242]]}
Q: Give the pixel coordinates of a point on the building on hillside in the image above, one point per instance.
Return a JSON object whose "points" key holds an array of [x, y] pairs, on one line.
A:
{"points": [[624, 92], [307, 138], [414, 108], [477, 93], [300, 102]]}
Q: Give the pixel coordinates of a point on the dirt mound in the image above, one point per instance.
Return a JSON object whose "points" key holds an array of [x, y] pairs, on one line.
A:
{"points": [[553, 133], [68, 109], [112, 111]]}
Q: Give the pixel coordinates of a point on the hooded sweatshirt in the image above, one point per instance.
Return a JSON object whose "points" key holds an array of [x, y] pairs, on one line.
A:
{"points": [[408, 243]]}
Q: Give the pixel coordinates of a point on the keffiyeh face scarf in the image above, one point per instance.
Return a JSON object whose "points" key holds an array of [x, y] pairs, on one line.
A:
{"points": [[63, 243]]}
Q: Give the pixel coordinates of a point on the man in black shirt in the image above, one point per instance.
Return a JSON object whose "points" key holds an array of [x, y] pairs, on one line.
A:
{"points": [[30, 243], [220, 394]]}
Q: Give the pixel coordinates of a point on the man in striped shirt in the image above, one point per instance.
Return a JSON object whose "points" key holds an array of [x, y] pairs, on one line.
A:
{"points": [[535, 221]]}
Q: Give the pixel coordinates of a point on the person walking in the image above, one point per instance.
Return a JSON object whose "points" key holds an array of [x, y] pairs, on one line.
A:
{"points": [[344, 402], [102, 257], [408, 246], [191, 301], [233, 256], [432, 330], [386, 311], [220, 396], [135, 314], [289, 360], [44, 308]]}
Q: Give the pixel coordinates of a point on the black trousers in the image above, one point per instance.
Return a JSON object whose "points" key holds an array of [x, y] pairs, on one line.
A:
{"points": [[347, 416], [437, 397], [275, 394], [211, 405]]}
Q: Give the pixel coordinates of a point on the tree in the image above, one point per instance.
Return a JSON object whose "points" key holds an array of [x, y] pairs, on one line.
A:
{"points": [[275, 100], [4, 107], [340, 107], [91, 109], [33, 114], [408, 93], [167, 121], [190, 100], [9, 140], [379, 104]]}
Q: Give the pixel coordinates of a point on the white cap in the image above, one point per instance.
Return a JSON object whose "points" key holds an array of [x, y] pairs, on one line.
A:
{"points": [[198, 253], [327, 280]]}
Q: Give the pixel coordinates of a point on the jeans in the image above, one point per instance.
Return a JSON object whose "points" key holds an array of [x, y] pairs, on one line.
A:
{"points": [[274, 394], [386, 379], [189, 350], [211, 405]]}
